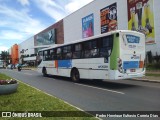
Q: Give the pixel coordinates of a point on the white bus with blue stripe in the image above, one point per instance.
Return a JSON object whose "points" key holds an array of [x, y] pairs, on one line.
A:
{"points": [[114, 55]]}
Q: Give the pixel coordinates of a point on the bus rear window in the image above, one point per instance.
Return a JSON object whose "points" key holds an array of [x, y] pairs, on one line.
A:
{"points": [[132, 39]]}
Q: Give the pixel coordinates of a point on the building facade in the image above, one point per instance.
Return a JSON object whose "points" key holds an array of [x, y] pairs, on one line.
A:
{"points": [[98, 17], [107, 15], [50, 36], [26, 50], [14, 54]]}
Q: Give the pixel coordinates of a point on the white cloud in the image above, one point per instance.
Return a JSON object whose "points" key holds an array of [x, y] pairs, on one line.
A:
{"points": [[3, 23], [3, 48], [76, 4], [24, 2], [51, 8], [11, 35], [58, 10], [20, 23]]}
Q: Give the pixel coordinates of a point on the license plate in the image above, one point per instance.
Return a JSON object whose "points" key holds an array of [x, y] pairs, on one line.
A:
{"points": [[132, 70]]}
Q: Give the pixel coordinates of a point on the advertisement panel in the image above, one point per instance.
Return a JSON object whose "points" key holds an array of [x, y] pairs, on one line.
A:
{"points": [[88, 26], [45, 38], [108, 18], [141, 18]]}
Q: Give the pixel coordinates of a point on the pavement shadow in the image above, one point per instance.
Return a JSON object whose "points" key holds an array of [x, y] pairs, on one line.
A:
{"points": [[99, 83], [108, 84]]}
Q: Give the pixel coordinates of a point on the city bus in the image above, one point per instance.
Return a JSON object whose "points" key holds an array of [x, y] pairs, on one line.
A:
{"points": [[114, 55]]}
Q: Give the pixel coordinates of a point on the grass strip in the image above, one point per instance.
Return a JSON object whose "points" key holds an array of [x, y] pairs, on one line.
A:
{"points": [[29, 99], [152, 74]]}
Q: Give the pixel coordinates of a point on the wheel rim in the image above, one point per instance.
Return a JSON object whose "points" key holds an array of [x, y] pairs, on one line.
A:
{"points": [[75, 75], [44, 72]]}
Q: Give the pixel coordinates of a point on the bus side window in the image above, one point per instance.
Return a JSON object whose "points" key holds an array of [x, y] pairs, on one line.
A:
{"points": [[52, 52], [95, 50], [91, 49], [55, 54], [48, 55], [77, 50], [39, 57], [59, 53], [67, 54], [104, 52], [45, 55], [106, 46], [87, 47]]}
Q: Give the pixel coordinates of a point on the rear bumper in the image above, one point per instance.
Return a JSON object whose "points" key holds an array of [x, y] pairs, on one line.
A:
{"points": [[115, 75]]}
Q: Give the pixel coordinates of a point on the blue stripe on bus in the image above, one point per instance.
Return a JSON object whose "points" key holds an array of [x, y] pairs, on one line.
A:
{"points": [[130, 64], [65, 63]]}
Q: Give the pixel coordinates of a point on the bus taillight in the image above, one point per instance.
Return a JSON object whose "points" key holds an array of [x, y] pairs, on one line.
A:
{"points": [[120, 65], [141, 64]]}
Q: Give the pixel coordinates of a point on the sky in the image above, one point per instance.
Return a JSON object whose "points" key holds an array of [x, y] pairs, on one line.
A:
{"points": [[22, 19]]}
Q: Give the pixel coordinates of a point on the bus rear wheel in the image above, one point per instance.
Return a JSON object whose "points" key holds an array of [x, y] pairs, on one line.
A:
{"points": [[75, 76]]}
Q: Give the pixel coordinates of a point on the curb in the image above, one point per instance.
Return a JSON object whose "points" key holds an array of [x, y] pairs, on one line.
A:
{"points": [[147, 80], [28, 69]]}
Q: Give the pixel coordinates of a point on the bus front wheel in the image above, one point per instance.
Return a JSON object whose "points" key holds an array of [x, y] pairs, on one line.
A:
{"points": [[75, 76], [44, 72]]}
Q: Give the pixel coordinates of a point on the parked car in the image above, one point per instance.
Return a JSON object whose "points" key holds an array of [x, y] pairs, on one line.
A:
{"points": [[9, 66], [16, 66], [25, 65]]}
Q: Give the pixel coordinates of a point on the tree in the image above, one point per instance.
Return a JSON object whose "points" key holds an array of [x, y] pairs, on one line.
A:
{"points": [[157, 58], [5, 56], [150, 57]]}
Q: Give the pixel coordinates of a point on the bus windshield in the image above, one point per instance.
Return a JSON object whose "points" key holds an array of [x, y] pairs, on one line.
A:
{"points": [[39, 57]]}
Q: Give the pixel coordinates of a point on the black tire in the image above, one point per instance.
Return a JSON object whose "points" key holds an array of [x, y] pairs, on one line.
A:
{"points": [[19, 68], [44, 72], [75, 76]]}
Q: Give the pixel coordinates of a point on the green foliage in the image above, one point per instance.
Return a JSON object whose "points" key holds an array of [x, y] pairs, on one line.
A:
{"points": [[150, 57], [4, 77], [5, 56], [153, 66], [157, 58], [152, 74]]}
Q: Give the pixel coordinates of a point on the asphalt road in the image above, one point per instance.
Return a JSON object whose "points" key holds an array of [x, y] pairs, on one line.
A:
{"points": [[121, 95]]}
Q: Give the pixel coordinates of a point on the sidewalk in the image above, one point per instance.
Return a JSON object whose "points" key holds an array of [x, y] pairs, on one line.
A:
{"points": [[150, 78]]}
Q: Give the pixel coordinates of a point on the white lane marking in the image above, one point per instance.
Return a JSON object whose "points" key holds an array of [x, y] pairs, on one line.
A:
{"points": [[101, 88], [27, 73]]}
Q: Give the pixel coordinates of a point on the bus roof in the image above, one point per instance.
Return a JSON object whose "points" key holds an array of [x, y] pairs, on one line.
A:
{"points": [[89, 38]]}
